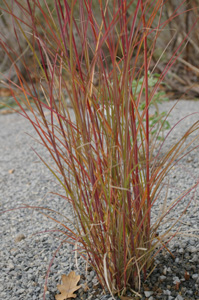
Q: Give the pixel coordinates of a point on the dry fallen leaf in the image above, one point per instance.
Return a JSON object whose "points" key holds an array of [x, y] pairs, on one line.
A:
{"points": [[19, 237], [68, 286], [177, 286], [186, 275], [11, 171]]}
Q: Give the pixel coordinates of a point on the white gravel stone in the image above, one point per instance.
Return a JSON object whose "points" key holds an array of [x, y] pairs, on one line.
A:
{"points": [[148, 293], [179, 297]]}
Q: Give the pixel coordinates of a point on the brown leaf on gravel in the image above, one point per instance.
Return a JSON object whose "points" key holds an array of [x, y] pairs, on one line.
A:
{"points": [[68, 286], [177, 286], [19, 238], [11, 171], [186, 275]]}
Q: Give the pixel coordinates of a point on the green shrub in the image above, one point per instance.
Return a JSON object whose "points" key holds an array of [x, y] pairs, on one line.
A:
{"points": [[157, 121]]}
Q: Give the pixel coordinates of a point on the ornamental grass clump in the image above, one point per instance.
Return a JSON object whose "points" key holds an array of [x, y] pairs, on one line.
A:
{"points": [[83, 102]]}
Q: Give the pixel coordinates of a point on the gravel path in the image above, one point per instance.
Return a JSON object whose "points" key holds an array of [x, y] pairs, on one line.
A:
{"points": [[26, 249]]}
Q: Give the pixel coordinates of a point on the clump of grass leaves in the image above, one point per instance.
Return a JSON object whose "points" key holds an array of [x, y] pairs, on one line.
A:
{"points": [[93, 73]]}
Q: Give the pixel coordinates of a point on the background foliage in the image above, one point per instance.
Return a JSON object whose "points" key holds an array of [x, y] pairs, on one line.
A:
{"points": [[182, 78]]}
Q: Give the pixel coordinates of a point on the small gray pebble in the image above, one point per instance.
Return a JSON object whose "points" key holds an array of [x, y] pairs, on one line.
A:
{"points": [[165, 271], [195, 258], [167, 292], [181, 250], [92, 274], [190, 292], [20, 291], [192, 249], [176, 279], [148, 293], [10, 267], [195, 276], [179, 297], [95, 281]]}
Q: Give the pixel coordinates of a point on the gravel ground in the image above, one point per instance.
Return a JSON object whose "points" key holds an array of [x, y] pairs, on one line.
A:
{"points": [[26, 249]]}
